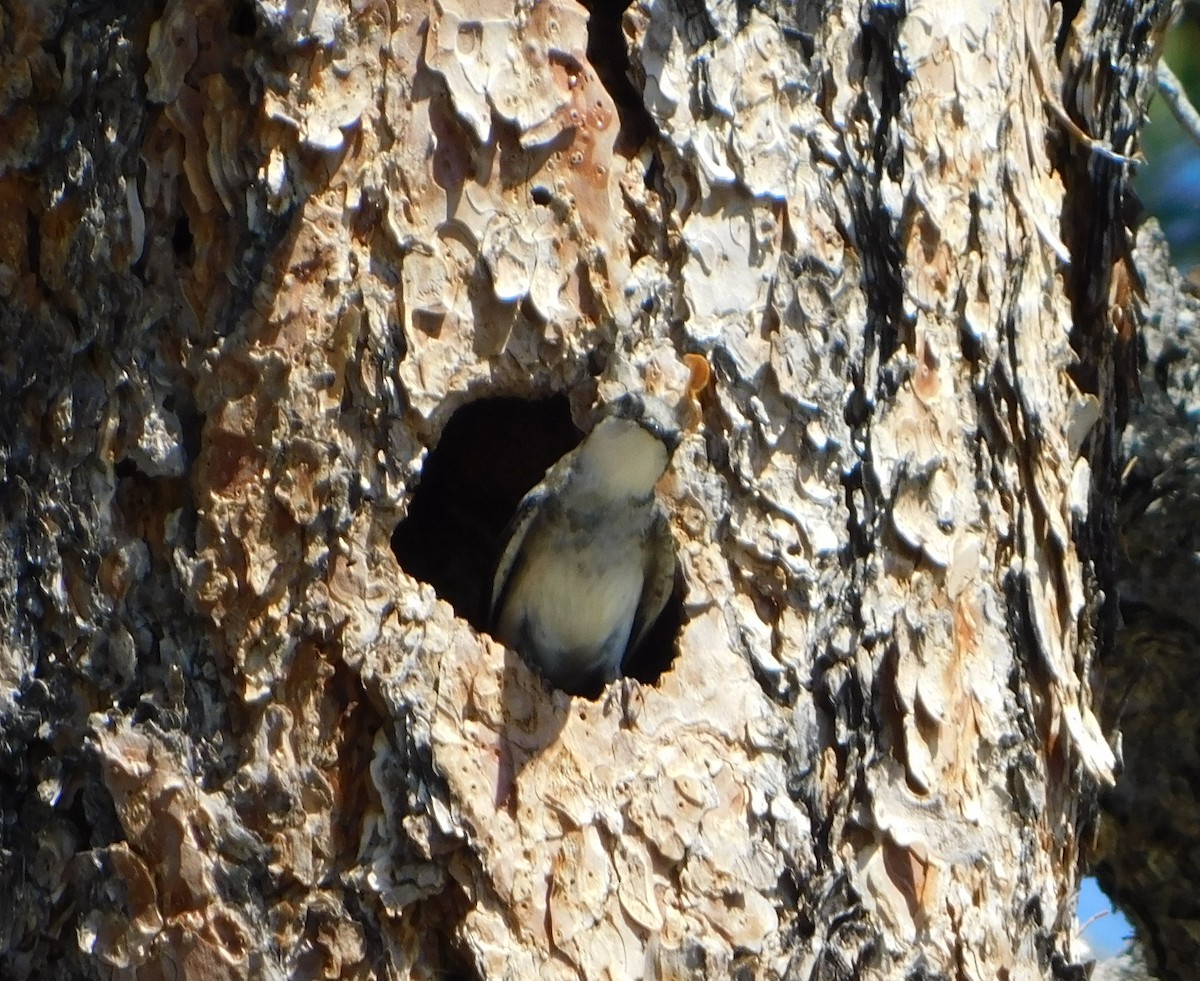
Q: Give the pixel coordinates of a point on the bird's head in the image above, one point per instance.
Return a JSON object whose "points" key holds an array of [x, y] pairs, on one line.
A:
{"points": [[630, 446], [651, 413]]}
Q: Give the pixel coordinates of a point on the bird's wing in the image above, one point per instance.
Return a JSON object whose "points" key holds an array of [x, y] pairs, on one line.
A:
{"points": [[659, 579], [514, 535], [513, 538]]}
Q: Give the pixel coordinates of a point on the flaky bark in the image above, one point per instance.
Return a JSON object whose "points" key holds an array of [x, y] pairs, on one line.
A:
{"points": [[1146, 856], [253, 263]]}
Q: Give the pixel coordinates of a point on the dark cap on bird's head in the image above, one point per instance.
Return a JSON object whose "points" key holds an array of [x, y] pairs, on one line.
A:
{"points": [[651, 413]]}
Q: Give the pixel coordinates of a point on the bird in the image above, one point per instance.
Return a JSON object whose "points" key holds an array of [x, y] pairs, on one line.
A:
{"points": [[588, 561]]}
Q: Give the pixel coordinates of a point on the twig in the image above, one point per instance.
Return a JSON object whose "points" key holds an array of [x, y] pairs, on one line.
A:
{"points": [[1056, 108], [1177, 101]]}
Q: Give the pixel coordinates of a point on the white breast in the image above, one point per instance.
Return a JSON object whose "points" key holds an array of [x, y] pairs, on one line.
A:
{"points": [[575, 614]]}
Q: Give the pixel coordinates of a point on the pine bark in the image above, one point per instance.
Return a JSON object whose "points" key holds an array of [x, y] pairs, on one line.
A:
{"points": [[1144, 856], [258, 263]]}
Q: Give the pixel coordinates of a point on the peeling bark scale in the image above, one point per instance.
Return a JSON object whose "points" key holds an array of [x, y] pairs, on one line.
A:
{"points": [[253, 259]]}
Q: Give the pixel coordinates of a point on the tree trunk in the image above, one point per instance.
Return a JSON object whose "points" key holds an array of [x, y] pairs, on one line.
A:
{"points": [[277, 278], [1146, 856]]}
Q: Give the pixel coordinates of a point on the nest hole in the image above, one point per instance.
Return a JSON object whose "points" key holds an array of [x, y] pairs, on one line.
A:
{"points": [[491, 453]]}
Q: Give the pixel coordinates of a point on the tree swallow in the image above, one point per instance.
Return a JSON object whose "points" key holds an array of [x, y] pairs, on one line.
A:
{"points": [[588, 561]]}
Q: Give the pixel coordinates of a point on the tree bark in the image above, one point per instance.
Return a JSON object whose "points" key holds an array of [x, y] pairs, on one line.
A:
{"points": [[262, 265], [1144, 857]]}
